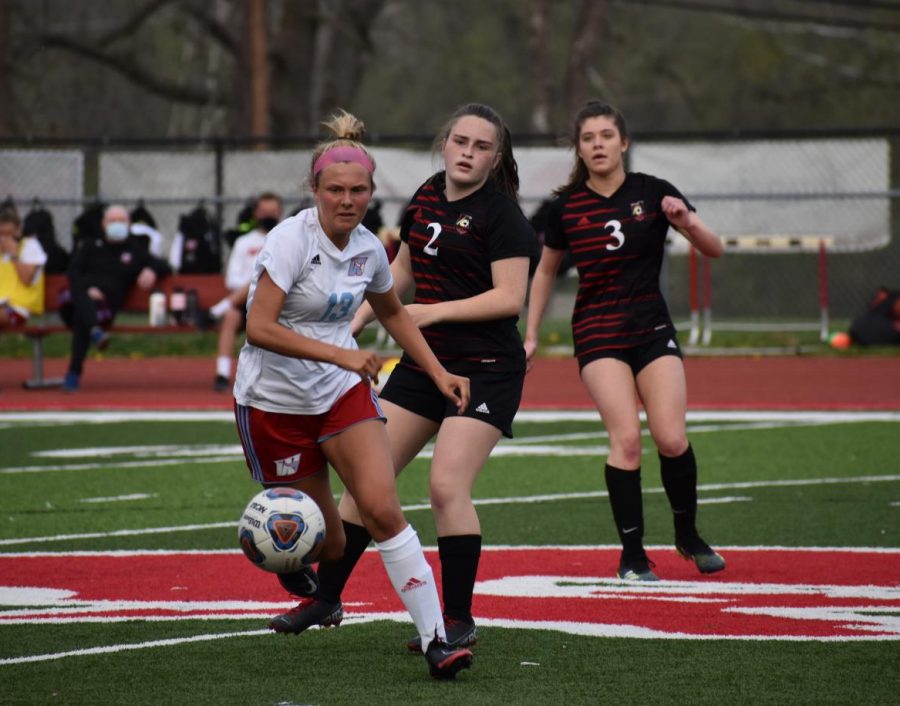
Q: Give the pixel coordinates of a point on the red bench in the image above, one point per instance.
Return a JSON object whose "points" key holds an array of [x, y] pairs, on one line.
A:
{"points": [[210, 289]]}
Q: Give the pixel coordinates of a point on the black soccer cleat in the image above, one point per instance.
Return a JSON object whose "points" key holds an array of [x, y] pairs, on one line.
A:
{"points": [[460, 633], [308, 612], [707, 560], [444, 661], [636, 568]]}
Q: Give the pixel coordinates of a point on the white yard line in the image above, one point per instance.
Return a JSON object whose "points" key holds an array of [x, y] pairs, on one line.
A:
{"points": [[112, 649], [550, 497]]}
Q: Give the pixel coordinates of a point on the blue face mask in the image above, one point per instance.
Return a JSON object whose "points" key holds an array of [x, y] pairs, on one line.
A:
{"points": [[116, 231]]}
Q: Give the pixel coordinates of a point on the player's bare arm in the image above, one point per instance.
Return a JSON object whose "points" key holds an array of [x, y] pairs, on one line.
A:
{"points": [[506, 298], [692, 227], [394, 317], [541, 289], [264, 331]]}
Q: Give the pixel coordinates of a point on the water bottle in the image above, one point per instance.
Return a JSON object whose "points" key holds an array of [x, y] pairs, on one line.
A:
{"points": [[192, 314], [157, 308]]}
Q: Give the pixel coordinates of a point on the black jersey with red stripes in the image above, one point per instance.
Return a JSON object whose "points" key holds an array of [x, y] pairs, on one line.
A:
{"points": [[617, 244], [451, 248]]}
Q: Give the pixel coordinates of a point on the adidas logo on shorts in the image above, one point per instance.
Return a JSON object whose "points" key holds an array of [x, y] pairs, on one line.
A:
{"points": [[483, 408], [672, 344]]}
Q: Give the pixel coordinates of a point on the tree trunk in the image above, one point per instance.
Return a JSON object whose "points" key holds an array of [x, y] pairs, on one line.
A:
{"points": [[590, 30], [540, 81], [258, 69]]}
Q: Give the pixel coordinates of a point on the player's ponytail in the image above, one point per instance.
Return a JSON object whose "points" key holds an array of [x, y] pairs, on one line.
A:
{"points": [[506, 171], [348, 131], [591, 109]]}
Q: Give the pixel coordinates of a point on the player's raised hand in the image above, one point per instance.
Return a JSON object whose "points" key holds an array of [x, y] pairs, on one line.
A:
{"points": [[676, 211]]}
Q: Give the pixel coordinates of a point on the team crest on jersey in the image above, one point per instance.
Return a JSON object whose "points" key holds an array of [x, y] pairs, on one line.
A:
{"points": [[463, 222], [357, 266], [637, 210]]}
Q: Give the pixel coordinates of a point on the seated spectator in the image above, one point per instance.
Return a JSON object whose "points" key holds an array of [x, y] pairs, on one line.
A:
{"points": [[22, 261], [267, 212], [101, 272]]}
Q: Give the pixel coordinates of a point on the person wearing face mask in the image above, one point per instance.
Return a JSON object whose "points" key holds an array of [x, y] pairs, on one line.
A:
{"points": [[231, 310], [101, 272]]}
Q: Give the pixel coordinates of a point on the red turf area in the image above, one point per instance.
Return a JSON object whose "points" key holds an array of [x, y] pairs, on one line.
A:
{"points": [[765, 382]]}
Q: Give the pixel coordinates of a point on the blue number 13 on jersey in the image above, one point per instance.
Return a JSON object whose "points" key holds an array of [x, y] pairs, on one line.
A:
{"points": [[338, 306]]}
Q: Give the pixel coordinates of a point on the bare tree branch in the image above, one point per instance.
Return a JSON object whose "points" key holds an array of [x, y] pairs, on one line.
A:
{"points": [[214, 28], [132, 24], [740, 10], [133, 72]]}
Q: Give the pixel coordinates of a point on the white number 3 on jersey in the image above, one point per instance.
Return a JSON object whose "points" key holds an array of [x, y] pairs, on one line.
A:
{"points": [[616, 233]]}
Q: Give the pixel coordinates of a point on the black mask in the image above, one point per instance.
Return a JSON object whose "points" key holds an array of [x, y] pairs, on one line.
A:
{"points": [[267, 223]]}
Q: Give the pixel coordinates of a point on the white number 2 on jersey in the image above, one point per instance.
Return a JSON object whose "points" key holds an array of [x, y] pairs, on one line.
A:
{"points": [[616, 233], [431, 248]]}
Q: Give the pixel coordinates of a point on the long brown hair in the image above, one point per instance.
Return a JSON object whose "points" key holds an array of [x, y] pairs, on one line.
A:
{"points": [[592, 109], [506, 171]]}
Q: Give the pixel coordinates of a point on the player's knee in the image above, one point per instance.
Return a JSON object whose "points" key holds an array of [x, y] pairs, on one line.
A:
{"points": [[628, 448], [383, 520], [671, 445], [443, 494]]}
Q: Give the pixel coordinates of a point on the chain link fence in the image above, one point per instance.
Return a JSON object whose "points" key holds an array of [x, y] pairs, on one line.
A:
{"points": [[772, 198]]}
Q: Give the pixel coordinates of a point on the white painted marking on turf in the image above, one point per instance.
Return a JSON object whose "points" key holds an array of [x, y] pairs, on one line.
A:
{"points": [[868, 617], [724, 500], [33, 595], [586, 587], [120, 498], [149, 463], [118, 533], [480, 501], [633, 631], [112, 649], [147, 450]]}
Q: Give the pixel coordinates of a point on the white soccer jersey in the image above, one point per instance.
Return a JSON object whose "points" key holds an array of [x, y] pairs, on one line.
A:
{"points": [[324, 287], [242, 260]]}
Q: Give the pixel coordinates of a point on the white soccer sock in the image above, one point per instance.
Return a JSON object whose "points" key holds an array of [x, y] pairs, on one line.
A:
{"points": [[223, 366], [413, 580]]}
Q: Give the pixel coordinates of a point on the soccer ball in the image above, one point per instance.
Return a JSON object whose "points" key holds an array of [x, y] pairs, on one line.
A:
{"points": [[281, 530]]}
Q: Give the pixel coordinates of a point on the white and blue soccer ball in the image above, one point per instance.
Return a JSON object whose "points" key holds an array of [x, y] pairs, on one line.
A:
{"points": [[281, 530]]}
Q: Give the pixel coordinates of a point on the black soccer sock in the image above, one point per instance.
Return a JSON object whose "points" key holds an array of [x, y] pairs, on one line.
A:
{"points": [[459, 566], [627, 507], [679, 478], [333, 575]]}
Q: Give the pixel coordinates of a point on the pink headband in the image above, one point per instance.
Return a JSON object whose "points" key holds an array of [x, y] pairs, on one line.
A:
{"points": [[344, 153]]}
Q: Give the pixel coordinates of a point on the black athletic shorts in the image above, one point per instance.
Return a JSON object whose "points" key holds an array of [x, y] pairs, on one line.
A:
{"points": [[495, 396], [640, 356]]}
